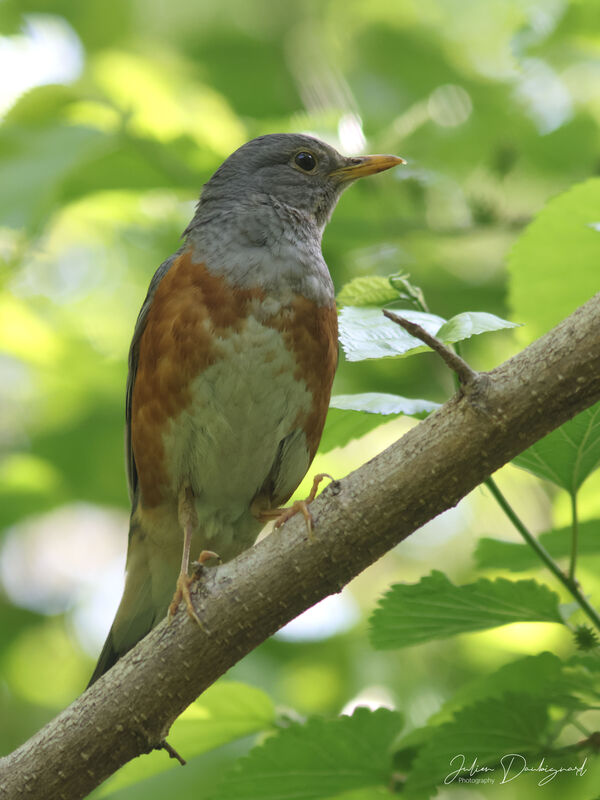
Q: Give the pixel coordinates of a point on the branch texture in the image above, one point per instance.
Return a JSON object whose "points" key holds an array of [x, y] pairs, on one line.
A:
{"points": [[130, 709]]}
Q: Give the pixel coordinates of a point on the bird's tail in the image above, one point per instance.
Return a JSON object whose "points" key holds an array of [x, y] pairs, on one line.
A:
{"points": [[149, 586], [107, 658]]}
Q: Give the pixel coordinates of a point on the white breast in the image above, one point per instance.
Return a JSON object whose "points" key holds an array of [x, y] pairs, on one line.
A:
{"points": [[226, 441]]}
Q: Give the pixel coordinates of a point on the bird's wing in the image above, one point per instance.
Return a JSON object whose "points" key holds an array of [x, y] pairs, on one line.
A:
{"points": [[134, 353], [313, 341]]}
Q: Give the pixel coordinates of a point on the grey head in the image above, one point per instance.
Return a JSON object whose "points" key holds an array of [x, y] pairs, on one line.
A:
{"points": [[290, 170]]}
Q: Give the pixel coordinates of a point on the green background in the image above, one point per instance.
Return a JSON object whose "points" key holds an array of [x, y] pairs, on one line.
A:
{"points": [[495, 106]]}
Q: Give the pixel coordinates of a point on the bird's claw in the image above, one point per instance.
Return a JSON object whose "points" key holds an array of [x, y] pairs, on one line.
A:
{"points": [[281, 515], [182, 592]]}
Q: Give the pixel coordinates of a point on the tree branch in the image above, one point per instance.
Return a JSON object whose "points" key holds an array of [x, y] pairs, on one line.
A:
{"points": [[453, 361], [130, 709]]}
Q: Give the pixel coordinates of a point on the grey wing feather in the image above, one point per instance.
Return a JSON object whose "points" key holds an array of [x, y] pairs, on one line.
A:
{"points": [[291, 462], [134, 352]]}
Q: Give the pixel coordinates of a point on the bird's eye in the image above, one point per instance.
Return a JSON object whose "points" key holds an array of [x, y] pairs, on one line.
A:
{"points": [[305, 161]]}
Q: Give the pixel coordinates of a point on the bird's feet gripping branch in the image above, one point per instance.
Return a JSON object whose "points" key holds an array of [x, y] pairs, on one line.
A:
{"points": [[188, 519], [281, 515]]}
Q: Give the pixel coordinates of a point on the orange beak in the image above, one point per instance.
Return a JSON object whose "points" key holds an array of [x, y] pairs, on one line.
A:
{"points": [[362, 166]]}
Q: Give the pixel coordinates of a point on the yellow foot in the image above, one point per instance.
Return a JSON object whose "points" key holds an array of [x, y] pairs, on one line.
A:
{"points": [[182, 592], [281, 515], [182, 589]]}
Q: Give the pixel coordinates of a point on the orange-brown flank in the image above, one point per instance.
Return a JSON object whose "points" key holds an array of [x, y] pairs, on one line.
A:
{"points": [[192, 309]]}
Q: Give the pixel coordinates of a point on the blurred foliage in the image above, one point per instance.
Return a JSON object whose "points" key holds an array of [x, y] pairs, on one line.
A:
{"points": [[115, 113]]}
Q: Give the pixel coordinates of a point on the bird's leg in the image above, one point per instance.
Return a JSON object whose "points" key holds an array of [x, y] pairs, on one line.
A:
{"points": [[281, 515], [188, 519]]}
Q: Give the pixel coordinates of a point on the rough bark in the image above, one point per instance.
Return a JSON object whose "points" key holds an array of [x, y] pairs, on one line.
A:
{"points": [[357, 520]]}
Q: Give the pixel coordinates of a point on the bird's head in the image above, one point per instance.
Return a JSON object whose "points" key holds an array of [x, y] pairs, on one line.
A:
{"points": [[297, 171]]}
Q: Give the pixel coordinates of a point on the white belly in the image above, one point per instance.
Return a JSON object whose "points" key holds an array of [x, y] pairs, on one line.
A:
{"points": [[226, 441]]}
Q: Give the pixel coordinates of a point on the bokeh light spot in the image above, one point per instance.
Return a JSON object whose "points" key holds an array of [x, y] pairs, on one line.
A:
{"points": [[449, 105]]}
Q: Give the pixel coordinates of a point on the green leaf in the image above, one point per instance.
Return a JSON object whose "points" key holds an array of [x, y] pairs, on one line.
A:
{"points": [[568, 455], [496, 554], [342, 427], [553, 267], [225, 712], [382, 403], [541, 675], [407, 291], [351, 416], [435, 608], [366, 333], [588, 661], [485, 731], [471, 323], [317, 760], [372, 290]]}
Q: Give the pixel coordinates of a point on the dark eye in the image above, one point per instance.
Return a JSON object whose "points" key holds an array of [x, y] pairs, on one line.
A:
{"points": [[305, 161]]}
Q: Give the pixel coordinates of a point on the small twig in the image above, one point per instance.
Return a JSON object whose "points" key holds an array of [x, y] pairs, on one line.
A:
{"points": [[466, 375], [570, 585], [574, 536], [164, 745]]}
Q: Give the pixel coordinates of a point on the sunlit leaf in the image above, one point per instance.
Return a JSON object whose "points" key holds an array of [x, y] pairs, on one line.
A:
{"points": [[470, 323], [553, 267], [435, 608], [568, 455], [385, 404], [372, 290], [351, 416], [366, 333], [342, 427]]}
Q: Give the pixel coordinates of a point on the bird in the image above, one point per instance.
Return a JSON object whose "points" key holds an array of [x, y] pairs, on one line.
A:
{"points": [[230, 371]]}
